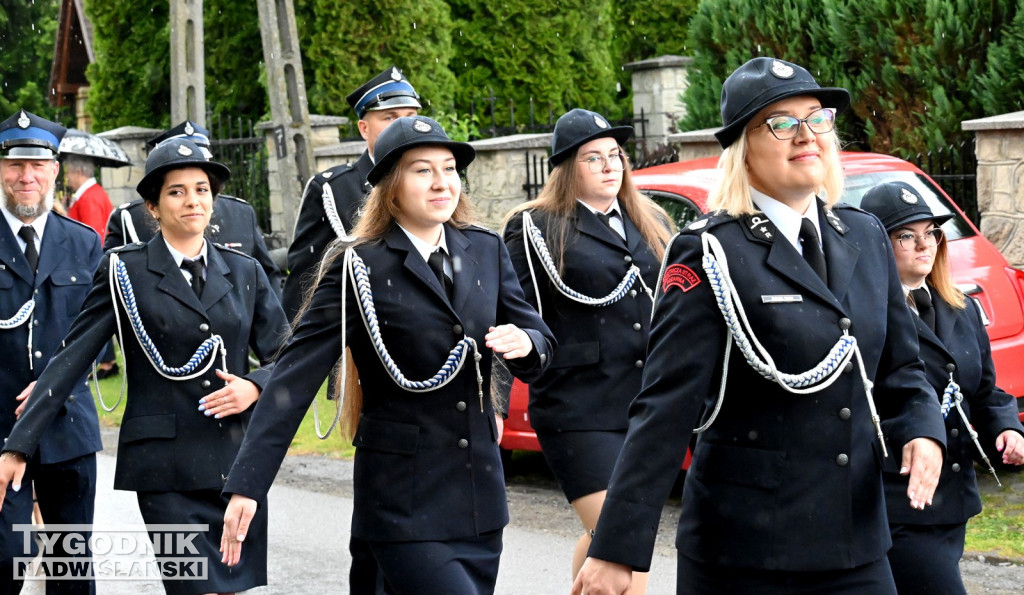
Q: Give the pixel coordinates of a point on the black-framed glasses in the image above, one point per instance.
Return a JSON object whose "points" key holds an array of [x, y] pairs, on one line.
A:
{"points": [[819, 121], [596, 163], [908, 240]]}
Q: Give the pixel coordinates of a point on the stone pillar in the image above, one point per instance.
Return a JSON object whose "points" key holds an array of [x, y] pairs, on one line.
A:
{"points": [[696, 144], [658, 85], [188, 85], [1000, 151], [83, 121], [495, 179], [292, 145], [120, 182]]}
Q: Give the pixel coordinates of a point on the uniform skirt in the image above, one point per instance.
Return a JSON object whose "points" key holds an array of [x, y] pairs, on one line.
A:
{"points": [[582, 461], [204, 507]]}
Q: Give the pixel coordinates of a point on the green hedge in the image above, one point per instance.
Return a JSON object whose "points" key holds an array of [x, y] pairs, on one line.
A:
{"points": [[27, 34]]}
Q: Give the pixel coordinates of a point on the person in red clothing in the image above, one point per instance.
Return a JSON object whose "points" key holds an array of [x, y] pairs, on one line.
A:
{"points": [[90, 205]]}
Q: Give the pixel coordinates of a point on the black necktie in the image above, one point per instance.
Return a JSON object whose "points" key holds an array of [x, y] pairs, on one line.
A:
{"points": [[812, 248], [923, 301], [195, 268], [28, 234], [606, 218], [436, 262]]}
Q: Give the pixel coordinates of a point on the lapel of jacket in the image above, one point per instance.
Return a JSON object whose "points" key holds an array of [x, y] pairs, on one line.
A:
{"points": [[413, 262], [840, 254], [784, 259], [945, 321], [12, 255], [633, 238], [52, 250], [588, 224], [218, 283], [463, 265], [160, 262]]}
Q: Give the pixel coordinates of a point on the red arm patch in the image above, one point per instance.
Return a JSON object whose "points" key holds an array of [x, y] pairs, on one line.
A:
{"points": [[680, 276]]}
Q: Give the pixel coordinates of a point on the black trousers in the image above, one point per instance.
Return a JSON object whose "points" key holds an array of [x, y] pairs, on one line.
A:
{"points": [[926, 558], [695, 577], [66, 492], [468, 565]]}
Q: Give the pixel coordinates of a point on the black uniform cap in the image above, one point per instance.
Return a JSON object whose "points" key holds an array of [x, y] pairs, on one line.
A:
{"points": [[178, 153], [387, 90], [414, 131], [28, 136], [763, 81], [578, 127], [897, 204], [188, 130]]}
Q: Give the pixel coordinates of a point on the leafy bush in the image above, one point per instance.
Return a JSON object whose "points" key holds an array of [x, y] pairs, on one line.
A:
{"points": [[27, 33]]}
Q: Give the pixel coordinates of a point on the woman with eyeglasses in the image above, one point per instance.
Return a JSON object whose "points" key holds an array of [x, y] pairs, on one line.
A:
{"points": [[781, 336], [587, 251], [927, 545]]}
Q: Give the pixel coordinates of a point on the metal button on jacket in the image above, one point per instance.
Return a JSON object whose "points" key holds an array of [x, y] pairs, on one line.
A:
{"points": [[955, 467], [543, 358], [463, 443], [460, 406], [844, 413], [457, 329], [848, 368], [954, 432], [844, 324], [843, 460], [204, 327], [637, 326], [639, 363], [38, 354], [632, 293], [205, 384], [627, 258]]}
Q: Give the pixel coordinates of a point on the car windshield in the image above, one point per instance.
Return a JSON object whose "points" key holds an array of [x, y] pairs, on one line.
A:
{"points": [[858, 184]]}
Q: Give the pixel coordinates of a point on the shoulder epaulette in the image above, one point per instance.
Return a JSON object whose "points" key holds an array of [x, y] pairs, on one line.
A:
{"points": [[130, 204], [707, 221], [128, 247], [70, 220], [224, 248], [480, 229], [337, 170], [234, 198]]}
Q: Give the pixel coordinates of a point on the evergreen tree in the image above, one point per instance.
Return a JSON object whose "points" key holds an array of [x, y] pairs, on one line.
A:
{"points": [[27, 33], [1002, 85], [235, 71], [344, 44]]}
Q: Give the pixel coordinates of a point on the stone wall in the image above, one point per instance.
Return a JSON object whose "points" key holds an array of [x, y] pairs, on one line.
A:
{"points": [[120, 182], [1000, 151]]}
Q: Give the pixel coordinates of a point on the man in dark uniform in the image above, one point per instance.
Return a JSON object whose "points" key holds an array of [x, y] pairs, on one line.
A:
{"points": [[233, 223], [46, 267], [382, 100]]}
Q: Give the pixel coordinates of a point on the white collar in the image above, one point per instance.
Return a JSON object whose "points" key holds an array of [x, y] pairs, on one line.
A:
{"points": [[81, 189], [424, 248], [179, 257], [39, 224], [612, 207], [786, 220]]}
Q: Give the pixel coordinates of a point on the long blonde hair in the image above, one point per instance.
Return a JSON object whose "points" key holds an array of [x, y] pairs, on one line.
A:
{"points": [[558, 197], [376, 219], [941, 279], [732, 193]]}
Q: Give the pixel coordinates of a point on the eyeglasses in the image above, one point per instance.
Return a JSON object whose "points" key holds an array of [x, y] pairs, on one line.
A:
{"points": [[909, 240], [786, 127], [596, 163]]}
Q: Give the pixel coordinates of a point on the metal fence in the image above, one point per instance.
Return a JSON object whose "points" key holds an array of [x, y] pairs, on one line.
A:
{"points": [[236, 144], [955, 168]]}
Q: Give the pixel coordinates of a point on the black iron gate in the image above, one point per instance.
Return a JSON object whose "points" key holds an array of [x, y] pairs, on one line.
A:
{"points": [[955, 168], [236, 144]]}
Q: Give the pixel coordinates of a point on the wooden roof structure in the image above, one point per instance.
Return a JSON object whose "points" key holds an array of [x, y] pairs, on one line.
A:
{"points": [[72, 53]]}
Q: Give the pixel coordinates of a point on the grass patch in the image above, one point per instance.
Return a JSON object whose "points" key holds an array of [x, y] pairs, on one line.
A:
{"points": [[999, 530], [305, 441]]}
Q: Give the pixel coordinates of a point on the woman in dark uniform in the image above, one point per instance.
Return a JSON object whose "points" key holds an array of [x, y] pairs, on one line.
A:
{"points": [[792, 347], [592, 230], [179, 434], [927, 545], [417, 294]]}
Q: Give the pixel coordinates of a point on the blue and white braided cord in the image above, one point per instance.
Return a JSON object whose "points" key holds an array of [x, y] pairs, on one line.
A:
{"points": [[533, 235], [23, 315], [121, 287], [818, 378], [952, 397]]}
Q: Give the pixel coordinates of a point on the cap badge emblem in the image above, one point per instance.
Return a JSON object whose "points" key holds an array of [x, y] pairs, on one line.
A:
{"points": [[327, 174], [782, 70], [189, 130], [395, 75], [600, 123], [184, 151], [23, 120], [421, 126], [908, 196]]}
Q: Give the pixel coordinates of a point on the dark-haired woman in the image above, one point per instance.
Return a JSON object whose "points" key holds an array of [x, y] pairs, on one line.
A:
{"points": [[419, 296], [587, 251], [781, 333], [927, 545], [187, 311]]}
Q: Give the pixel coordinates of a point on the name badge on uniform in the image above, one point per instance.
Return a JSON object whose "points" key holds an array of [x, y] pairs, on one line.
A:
{"points": [[782, 299], [235, 245]]}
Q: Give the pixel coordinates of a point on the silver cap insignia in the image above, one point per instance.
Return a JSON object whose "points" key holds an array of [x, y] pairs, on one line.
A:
{"points": [[782, 70]]}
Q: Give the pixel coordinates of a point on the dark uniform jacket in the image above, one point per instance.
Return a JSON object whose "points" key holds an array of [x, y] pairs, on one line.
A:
{"points": [[232, 224], [780, 481], [601, 349], [165, 443], [959, 339], [427, 465], [68, 256], [313, 231]]}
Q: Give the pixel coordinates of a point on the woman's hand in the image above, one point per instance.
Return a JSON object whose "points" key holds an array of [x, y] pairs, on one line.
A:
{"points": [[236, 525], [922, 461], [23, 397], [234, 398], [12, 470], [599, 577], [1011, 444], [509, 340]]}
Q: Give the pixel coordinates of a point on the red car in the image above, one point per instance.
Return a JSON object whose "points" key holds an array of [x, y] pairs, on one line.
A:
{"points": [[979, 269]]}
